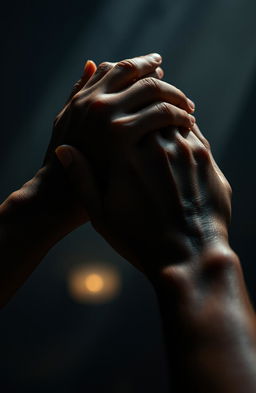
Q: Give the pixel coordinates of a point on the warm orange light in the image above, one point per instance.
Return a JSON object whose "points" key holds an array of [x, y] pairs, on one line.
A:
{"points": [[95, 283]]}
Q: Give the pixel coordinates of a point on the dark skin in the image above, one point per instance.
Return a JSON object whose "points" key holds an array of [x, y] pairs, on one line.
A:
{"points": [[166, 208], [160, 200], [45, 209]]}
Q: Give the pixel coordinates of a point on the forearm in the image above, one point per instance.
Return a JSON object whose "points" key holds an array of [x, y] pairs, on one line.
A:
{"points": [[209, 326], [32, 220]]}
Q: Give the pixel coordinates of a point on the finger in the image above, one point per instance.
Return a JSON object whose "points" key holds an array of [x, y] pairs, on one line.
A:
{"points": [[80, 176], [153, 118], [206, 144], [200, 136], [158, 73], [183, 168], [127, 71], [89, 69], [102, 70], [149, 90], [201, 151], [105, 67], [205, 161]]}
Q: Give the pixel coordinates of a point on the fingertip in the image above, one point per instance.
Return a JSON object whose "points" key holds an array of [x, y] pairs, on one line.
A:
{"points": [[192, 120], [160, 72], [191, 105], [90, 65], [89, 69], [156, 57], [64, 155]]}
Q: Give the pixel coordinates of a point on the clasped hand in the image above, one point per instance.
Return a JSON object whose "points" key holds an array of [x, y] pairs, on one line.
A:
{"points": [[157, 197]]}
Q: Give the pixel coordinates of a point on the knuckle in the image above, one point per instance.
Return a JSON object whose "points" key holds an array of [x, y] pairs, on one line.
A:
{"points": [[201, 154], [151, 84], [104, 67], [164, 108], [186, 118], [127, 65], [99, 104], [183, 146], [206, 143]]}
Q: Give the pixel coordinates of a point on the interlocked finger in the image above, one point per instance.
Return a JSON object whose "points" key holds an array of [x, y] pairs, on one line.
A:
{"points": [[127, 71], [102, 70], [148, 90], [153, 118]]}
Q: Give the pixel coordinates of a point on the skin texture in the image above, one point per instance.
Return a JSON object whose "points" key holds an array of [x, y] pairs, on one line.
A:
{"points": [[116, 93], [46, 208], [161, 184], [166, 207], [141, 170]]}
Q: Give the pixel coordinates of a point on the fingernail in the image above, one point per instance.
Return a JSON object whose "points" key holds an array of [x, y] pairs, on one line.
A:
{"points": [[160, 72], [86, 65], [192, 119], [64, 156], [191, 104], [156, 56]]}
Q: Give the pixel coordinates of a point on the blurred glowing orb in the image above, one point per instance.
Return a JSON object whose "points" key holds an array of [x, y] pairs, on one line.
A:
{"points": [[96, 283]]}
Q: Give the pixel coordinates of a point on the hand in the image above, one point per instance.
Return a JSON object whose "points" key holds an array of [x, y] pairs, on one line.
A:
{"points": [[164, 203], [70, 125], [110, 111]]}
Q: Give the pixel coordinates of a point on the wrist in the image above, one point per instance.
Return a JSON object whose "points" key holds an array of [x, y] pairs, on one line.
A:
{"points": [[58, 198], [209, 321], [46, 204], [32, 220], [213, 261]]}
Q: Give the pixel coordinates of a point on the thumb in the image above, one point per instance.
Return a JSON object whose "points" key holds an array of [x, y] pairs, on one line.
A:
{"points": [[81, 178], [89, 69]]}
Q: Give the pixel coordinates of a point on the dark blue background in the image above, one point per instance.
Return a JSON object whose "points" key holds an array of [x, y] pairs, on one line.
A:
{"points": [[49, 343]]}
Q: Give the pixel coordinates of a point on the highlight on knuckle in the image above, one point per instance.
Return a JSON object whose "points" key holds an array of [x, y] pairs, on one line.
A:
{"points": [[185, 118], [99, 104], [127, 65], [201, 154], [104, 67], [164, 108], [184, 146], [151, 84]]}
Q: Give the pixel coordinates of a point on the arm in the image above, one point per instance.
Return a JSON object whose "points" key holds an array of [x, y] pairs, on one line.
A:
{"points": [[209, 324], [45, 209], [32, 220], [166, 208], [35, 217]]}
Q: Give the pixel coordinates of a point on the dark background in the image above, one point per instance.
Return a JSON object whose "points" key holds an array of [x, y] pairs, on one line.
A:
{"points": [[48, 342]]}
